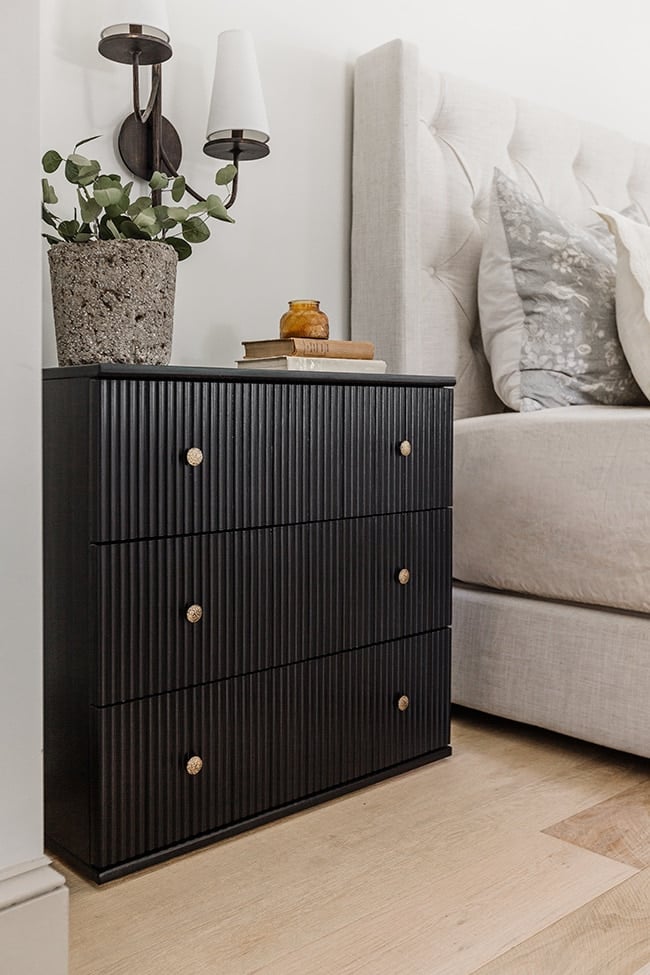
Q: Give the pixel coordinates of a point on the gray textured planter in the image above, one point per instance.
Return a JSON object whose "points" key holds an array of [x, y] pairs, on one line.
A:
{"points": [[113, 301]]}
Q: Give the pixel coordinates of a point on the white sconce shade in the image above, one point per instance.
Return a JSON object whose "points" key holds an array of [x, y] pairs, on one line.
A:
{"points": [[237, 100], [149, 13]]}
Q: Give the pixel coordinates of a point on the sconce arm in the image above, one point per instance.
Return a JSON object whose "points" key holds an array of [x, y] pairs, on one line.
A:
{"points": [[170, 170], [144, 115]]}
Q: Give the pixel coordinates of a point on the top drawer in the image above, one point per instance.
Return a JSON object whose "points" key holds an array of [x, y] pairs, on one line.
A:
{"points": [[262, 454]]}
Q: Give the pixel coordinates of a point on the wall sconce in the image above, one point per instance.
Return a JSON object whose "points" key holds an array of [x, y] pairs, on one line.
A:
{"points": [[148, 142]]}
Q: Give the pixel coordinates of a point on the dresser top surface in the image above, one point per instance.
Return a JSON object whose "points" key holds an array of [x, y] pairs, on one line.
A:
{"points": [[108, 370]]}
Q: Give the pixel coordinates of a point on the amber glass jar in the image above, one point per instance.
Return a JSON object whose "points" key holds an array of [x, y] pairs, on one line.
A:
{"points": [[304, 320]]}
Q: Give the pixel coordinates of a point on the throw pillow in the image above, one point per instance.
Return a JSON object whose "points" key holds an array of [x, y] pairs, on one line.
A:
{"points": [[546, 304], [632, 292]]}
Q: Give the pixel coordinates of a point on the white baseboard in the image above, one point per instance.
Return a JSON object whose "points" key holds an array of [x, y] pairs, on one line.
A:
{"points": [[33, 920]]}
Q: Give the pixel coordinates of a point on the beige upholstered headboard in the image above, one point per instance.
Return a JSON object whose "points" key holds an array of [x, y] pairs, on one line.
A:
{"points": [[425, 147]]}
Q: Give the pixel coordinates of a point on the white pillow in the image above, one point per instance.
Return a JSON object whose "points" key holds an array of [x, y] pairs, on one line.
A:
{"points": [[501, 310], [632, 291]]}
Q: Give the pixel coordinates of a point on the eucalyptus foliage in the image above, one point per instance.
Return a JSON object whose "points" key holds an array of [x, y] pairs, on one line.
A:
{"points": [[106, 211]]}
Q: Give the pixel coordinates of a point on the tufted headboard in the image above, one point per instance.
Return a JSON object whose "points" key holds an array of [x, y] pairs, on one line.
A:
{"points": [[425, 147]]}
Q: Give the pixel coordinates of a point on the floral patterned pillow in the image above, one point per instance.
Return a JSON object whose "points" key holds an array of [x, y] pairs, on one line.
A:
{"points": [[549, 324]]}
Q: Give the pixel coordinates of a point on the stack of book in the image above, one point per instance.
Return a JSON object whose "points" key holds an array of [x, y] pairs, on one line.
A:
{"points": [[324, 355]]}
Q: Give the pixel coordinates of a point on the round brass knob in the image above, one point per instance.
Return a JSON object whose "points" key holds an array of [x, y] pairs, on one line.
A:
{"points": [[194, 613], [194, 765], [405, 448], [403, 576], [194, 456], [403, 703]]}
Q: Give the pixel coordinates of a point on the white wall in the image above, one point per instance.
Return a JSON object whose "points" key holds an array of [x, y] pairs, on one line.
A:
{"points": [[588, 57], [33, 900], [20, 449]]}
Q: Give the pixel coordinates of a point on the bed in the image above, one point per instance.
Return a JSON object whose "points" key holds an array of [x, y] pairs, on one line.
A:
{"points": [[551, 622]]}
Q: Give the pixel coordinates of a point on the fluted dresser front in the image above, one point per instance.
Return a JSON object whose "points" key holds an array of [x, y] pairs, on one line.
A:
{"points": [[247, 598]]}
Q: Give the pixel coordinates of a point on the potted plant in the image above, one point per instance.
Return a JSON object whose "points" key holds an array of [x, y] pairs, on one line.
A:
{"points": [[113, 263]]}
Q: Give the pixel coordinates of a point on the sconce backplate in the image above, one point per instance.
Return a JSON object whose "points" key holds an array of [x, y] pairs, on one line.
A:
{"points": [[135, 143]]}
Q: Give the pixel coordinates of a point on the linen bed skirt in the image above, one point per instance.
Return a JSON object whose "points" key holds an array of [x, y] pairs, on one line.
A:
{"points": [[578, 670]]}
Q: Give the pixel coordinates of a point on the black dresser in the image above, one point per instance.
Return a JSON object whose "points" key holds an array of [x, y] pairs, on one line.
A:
{"points": [[247, 598]]}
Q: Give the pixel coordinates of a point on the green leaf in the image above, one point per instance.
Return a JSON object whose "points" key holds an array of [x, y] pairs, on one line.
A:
{"points": [[90, 209], [178, 189], [69, 229], [80, 170], [51, 240], [159, 181], [50, 219], [78, 160], [181, 247], [109, 182], [113, 229], [201, 207], [105, 232], [162, 216], [177, 213], [84, 141], [87, 174], [85, 180], [146, 220], [217, 209], [129, 230], [194, 230], [225, 175], [71, 171], [51, 161], [163, 220], [115, 209], [142, 203], [108, 192], [49, 196], [82, 238]]}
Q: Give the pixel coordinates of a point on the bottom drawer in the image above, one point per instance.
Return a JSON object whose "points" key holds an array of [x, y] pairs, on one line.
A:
{"points": [[264, 740]]}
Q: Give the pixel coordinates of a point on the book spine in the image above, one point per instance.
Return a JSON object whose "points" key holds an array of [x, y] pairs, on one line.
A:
{"points": [[326, 348], [320, 348], [312, 363]]}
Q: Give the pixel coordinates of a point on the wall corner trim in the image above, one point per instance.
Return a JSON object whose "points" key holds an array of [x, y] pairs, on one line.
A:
{"points": [[34, 903], [24, 881]]}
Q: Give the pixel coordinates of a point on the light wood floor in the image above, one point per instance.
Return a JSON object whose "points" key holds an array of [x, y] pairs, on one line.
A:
{"points": [[523, 854]]}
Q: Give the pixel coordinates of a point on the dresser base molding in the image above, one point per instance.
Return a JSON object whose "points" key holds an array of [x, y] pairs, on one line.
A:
{"points": [[103, 876]]}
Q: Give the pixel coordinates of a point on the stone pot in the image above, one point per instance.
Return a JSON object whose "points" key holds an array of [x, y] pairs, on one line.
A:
{"points": [[113, 301]]}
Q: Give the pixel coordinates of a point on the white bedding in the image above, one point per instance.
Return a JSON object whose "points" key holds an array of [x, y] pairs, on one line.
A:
{"points": [[556, 504]]}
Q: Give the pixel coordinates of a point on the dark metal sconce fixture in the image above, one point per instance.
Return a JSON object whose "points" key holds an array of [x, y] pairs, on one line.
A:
{"points": [[148, 142]]}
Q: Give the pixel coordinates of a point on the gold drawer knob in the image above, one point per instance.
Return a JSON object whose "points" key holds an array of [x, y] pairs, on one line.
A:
{"points": [[194, 613], [405, 448], [403, 576], [403, 703], [194, 456], [194, 765]]}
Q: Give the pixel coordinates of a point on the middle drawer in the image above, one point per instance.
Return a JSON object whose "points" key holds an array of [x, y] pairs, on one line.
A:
{"points": [[176, 612]]}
